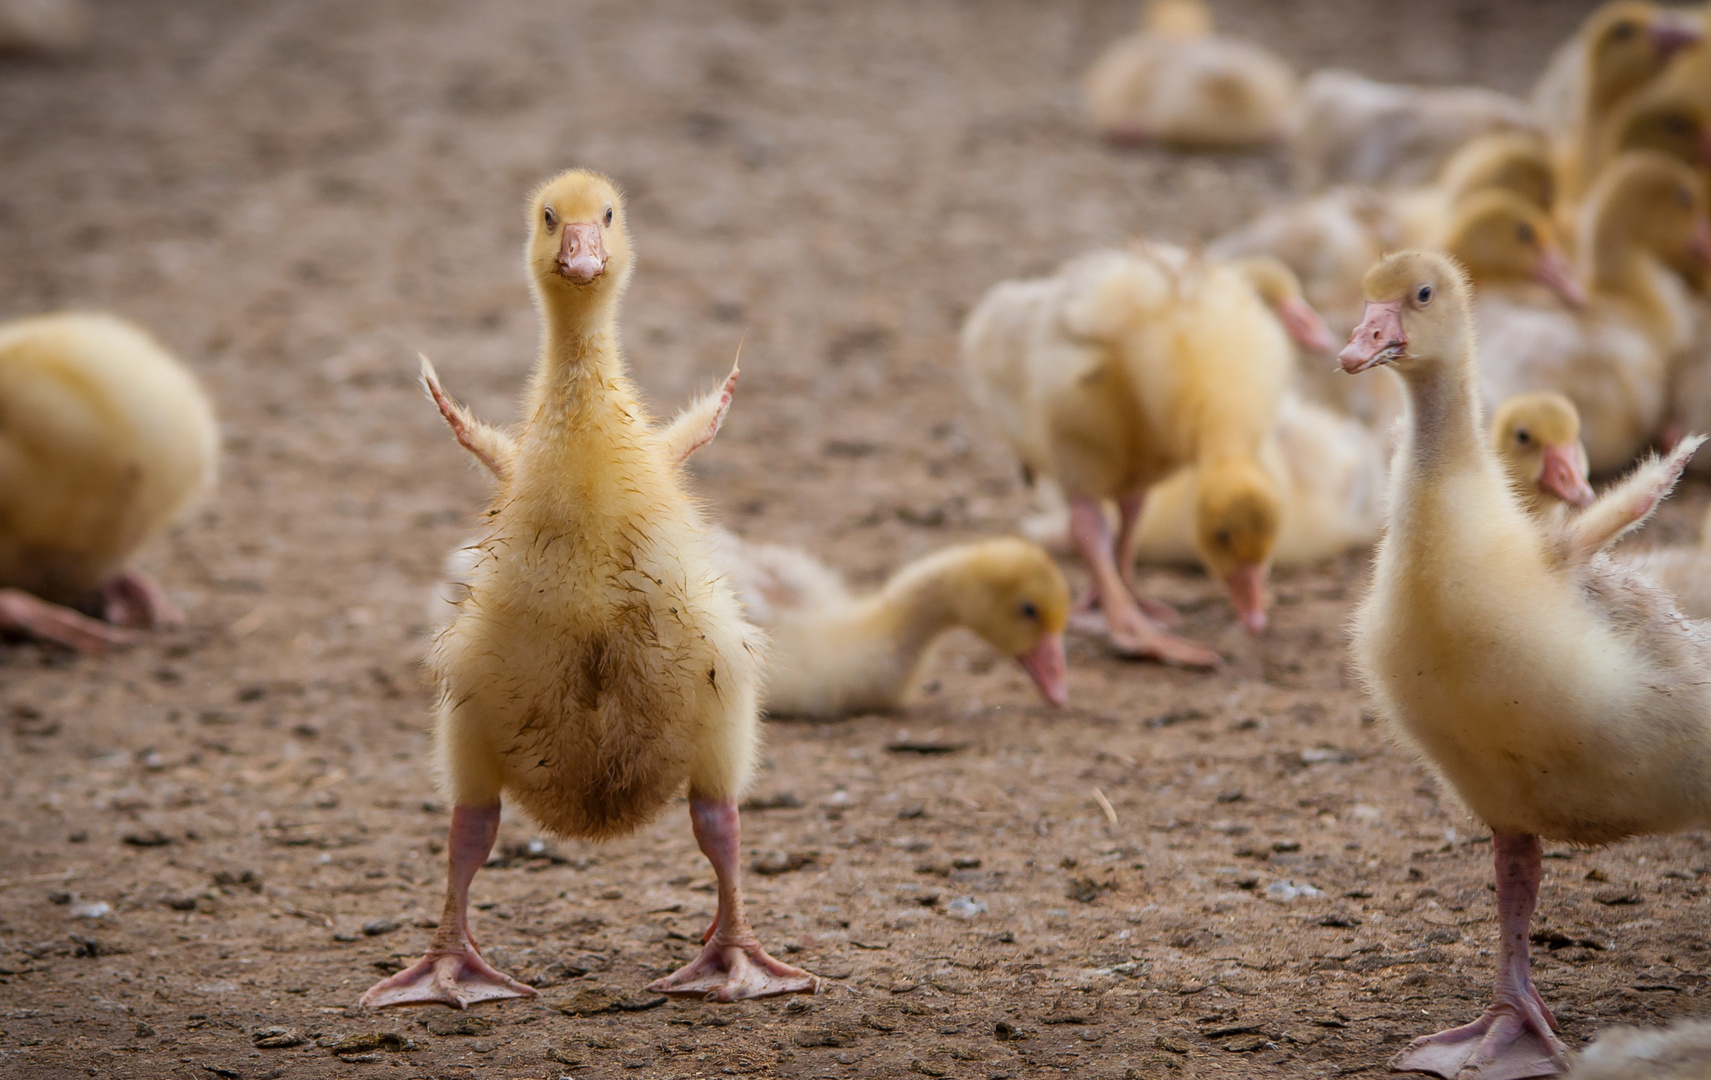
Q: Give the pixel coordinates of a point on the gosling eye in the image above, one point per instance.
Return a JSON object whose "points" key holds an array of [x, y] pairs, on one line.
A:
{"points": [[1221, 538], [1423, 295], [1622, 31], [1676, 124], [1029, 611], [1524, 233], [549, 219], [1523, 436], [1684, 197], [608, 215]]}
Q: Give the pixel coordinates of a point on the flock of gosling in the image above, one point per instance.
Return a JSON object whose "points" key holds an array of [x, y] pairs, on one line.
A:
{"points": [[606, 648]]}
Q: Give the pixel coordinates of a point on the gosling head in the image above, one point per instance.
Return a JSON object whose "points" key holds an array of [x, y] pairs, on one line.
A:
{"points": [[1515, 161], [1654, 202], [578, 247], [1416, 316], [1278, 286], [1497, 235], [1237, 513], [1676, 125], [1016, 598], [1629, 41], [1537, 437]]}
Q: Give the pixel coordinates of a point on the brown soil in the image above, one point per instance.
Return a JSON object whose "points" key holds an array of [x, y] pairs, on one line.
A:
{"points": [[297, 196]]}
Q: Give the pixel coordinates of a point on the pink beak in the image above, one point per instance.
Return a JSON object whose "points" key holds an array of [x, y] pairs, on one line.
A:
{"points": [[1554, 273], [1045, 664], [1305, 326], [1564, 474], [1671, 35], [1247, 592], [581, 254], [1377, 340]]}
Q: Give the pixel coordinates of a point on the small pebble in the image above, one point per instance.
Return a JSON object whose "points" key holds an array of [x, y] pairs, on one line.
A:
{"points": [[965, 907], [277, 1038], [1287, 891]]}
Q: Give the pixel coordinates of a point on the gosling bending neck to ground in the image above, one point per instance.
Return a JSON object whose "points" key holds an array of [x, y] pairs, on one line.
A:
{"points": [[857, 654]]}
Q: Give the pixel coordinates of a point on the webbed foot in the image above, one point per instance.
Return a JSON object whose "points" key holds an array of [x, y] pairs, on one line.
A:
{"points": [[727, 971], [459, 978]]}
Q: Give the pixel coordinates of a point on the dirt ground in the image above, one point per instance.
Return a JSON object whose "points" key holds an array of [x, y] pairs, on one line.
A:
{"points": [[232, 828]]}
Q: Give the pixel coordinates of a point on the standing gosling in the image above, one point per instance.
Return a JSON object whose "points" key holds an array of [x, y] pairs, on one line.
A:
{"points": [[1557, 692], [599, 662]]}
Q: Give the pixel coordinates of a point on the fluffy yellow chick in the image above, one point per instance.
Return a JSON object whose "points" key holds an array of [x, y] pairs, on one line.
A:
{"points": [[1518, 162], [1506, 240], [1614, 356], [1328, 241], [1667, 123], [599, 662], [1620, 49], [1330, 469], [1122, 368], [1178, 82], [1537, 437], [1503, 240], [104, 439], [1557, 693], [834, 653]]}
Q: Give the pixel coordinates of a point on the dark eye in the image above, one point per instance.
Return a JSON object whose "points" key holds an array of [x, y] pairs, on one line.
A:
{"points": [[1221, 538], [1029, 611], [1524, 233], [549, 218], [1622, 31], [1423, 295], [1523, 436], [608, 215], [1677, 124], [1684, 197]]}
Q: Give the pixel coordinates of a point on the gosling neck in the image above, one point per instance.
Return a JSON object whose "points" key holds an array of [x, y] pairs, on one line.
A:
{"points": [[1443, 411], [919, 602], [579, 338]]}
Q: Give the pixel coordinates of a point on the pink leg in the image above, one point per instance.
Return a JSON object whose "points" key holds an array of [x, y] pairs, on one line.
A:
{"points": [[1087, 615], [1128, 515], [1129, 629], [134, 599], [28, 614], [453, 973], [732, 966], [1515, 1038]]}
